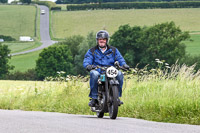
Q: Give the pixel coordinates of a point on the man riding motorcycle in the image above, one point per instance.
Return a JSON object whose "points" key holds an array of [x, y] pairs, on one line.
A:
{"points": [[102, 55]]}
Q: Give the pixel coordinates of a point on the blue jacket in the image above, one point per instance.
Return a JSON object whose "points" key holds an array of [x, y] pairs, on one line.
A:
{"points": [[103, 59]]}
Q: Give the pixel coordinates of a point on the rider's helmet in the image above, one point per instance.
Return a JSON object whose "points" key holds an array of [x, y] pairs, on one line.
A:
{"points": [[102, 34]]}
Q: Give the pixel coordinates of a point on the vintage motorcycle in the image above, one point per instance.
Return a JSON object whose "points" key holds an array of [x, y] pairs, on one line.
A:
{"points": [[108, 92]]}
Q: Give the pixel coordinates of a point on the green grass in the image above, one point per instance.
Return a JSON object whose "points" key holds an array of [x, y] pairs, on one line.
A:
{"points": [[193, 47], [23, 46], [68, 23], [158, 97], [24, 62], [17, 20]]}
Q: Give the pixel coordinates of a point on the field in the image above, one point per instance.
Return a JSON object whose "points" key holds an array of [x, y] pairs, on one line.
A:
{"points": [[158, 97], [193, 47], [24, 62], [68, 23], [17, 20], [23, 46]]}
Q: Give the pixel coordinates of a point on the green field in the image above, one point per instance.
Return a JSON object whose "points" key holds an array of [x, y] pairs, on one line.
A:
{"points": [[24, 62], [17, 20], [23, 46], [68, 23], [193, 47]]}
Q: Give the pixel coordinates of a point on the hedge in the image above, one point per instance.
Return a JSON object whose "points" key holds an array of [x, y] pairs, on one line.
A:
{"points": [[135, 5], [56, 8], [7, 38]]}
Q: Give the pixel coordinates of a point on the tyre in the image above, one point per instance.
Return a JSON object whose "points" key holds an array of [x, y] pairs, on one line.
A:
{"points": [[100, 114], [113, 106], [103, 106]]}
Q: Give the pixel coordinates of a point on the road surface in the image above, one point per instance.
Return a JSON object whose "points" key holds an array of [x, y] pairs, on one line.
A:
{"points": [[16, 121], [44, 32]]}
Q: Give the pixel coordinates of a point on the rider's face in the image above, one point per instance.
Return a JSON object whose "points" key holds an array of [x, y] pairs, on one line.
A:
{"points": [[102, 42]]}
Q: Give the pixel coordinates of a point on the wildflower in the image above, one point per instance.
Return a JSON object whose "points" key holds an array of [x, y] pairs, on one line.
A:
{"points": [[166, 64], [157, 60], [167, 67], [67, 79], [62, 72]]}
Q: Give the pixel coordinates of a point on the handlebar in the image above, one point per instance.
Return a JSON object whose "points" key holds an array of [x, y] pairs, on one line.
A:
{"points": [[116, 65]]}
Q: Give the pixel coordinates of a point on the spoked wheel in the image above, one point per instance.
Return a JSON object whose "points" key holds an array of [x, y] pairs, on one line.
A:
{"points": [[113, 107], [103, 107]]}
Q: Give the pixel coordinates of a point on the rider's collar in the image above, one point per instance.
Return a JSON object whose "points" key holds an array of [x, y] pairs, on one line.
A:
{"points": [[103, 50]]}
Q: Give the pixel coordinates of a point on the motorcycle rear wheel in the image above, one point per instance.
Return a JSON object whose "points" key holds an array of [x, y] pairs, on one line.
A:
{"points": [[113, 107], [103, 105]]}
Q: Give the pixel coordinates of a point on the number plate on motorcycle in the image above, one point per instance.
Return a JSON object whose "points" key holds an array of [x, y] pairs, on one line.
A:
{"points": [[111, 72]]}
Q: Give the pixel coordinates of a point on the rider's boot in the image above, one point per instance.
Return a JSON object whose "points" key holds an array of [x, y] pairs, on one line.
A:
{"points": [[120, 102], [92, 102]]}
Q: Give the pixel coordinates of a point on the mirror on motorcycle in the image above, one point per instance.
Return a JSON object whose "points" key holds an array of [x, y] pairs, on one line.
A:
{"points": [[116, 63]]}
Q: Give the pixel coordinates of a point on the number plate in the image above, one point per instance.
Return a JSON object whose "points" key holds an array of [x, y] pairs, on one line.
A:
{"points": [[111, 72]]}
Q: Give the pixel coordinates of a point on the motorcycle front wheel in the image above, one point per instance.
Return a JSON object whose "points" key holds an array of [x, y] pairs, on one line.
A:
{"points": [[113, 106], [100, 114]]}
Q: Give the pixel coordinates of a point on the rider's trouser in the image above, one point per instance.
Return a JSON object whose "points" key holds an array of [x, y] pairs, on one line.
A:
{"points": [[94, 86]]}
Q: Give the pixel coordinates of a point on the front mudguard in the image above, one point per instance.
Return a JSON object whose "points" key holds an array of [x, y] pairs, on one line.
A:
{"points": [[113, 82]]}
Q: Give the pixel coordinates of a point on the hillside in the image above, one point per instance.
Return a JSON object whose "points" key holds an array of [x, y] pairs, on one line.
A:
{"points": [[17, 20]]}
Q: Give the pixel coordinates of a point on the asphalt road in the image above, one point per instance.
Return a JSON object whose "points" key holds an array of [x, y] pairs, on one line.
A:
{"points": [[16, 121], [44, 32]]}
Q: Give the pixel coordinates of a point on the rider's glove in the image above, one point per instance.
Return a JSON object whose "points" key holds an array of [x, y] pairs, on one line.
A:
{"points": [[90, 67], [126, 66]]}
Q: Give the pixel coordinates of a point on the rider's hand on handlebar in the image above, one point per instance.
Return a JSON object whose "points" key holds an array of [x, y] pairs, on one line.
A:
{"points": [[90, 67], [126, 66]]}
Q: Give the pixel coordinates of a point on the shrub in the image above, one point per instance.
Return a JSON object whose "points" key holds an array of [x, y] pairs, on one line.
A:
{"points": [[52, 60], [56, 8], [7, 38], [28, 75], [191, 60], [4, 61]]}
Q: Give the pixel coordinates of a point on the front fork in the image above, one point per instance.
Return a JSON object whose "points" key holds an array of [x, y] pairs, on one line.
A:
{"points": [[108, 87]]}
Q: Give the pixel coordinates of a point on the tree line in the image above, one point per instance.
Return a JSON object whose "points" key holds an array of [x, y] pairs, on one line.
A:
{"points": [[140, 46], [135, 5]]}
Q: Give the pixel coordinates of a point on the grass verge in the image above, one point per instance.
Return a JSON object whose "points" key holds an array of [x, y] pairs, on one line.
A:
{"points": [[159, 96]]}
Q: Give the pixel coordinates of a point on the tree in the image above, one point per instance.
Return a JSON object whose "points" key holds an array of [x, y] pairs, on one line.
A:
{"points": [[125, 39], [88, 43], [143, 45], [26, 1], [52, 60], [73, 43], [3, 1], [4, 61]]}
